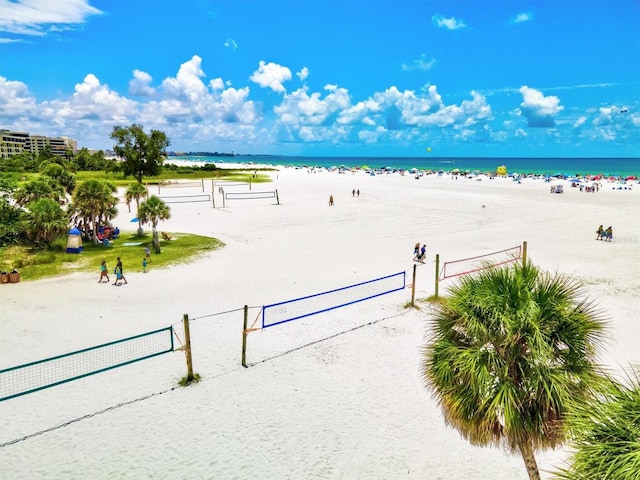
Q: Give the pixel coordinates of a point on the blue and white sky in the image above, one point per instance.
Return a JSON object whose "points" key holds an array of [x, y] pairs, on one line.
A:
{"points": [[502, 78]]}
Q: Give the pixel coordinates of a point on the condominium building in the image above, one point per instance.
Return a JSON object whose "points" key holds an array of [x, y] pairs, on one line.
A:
{"points": [[13, 143]]}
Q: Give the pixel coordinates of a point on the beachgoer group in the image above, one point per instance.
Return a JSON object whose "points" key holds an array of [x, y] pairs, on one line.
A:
{"points": [[604, 234], [419, 253]]}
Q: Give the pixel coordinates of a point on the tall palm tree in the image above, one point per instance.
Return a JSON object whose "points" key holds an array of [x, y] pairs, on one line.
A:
{"points": [[605, 434], [136, 191], [509, 349], [94, 201], [153, 211]]}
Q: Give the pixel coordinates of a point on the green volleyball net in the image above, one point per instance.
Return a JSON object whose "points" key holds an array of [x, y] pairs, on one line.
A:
{"points": [[34, 376]]}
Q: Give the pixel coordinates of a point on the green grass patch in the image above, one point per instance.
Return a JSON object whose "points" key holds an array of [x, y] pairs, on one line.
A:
{"points": [[182, 173], [35, 264], [184, 381]]}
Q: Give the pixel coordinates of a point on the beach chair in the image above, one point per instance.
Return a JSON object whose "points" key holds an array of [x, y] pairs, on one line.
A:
{"points": [[106, 242], [166, 236]]}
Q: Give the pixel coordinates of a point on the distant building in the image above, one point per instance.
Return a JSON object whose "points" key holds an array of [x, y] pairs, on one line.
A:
{"points": [[13, 143]]}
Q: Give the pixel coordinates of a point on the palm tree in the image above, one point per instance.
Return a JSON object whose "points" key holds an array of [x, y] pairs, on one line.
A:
{"points": [[95, 202], [604, 434], [42, 187], [136, 191], [508, 351], [152, 211], [46, 220]]}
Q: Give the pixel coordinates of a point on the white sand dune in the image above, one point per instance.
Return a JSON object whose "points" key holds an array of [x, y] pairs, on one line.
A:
{"points": [[333, 396]]}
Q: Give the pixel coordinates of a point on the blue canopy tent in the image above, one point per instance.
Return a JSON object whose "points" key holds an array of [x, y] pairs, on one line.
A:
{"points": [[74, 241]]}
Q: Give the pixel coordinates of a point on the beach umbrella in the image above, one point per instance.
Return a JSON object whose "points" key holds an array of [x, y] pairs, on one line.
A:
{"points": [[574, 180], [133, 220], [631, 177]]}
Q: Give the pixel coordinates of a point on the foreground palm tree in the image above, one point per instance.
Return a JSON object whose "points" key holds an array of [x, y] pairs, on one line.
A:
{"points": [[605, 434], [508, 351]]}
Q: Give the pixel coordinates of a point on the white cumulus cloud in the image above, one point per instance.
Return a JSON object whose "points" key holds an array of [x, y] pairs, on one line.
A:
{"points": [[540, 111], [271, 75], [139, 84], [451, 23]]}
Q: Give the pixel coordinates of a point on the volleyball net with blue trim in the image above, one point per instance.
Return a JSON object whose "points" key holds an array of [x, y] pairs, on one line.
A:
{"points": [[290, 310]]}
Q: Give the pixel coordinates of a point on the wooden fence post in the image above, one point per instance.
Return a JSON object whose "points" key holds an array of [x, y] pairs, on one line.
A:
{"points": [[244, 337], [437, 274], [413, 287], [187, 349]]}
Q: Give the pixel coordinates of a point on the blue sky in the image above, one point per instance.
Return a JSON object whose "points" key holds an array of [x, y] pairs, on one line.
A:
{"points": [[329, 78]]}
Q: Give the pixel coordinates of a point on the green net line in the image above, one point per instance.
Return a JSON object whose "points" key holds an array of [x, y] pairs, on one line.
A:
{"points": [[34, 376]]}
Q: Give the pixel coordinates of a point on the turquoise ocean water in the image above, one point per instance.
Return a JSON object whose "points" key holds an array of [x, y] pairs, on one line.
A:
{"points": [[620, 167]]}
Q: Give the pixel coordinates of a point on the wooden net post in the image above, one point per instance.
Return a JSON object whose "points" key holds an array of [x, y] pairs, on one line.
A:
{"points": [[413, 286], [187, 347], [244, 337], [277, 197], [437, 274], [524, 254]]}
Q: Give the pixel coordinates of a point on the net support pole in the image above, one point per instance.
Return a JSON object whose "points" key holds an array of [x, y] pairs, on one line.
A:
{"points": [[277, 197], [413, 287], [202, 183], [524, 253], [244, 337], [187, 347], [437, 274]]}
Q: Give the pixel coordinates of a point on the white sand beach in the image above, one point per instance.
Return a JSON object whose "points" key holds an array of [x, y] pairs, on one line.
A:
{"points": [[338, 395]]}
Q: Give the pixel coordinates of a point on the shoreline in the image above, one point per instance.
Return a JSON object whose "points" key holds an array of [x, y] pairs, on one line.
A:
{"points": [[555, 167], [340, 393]]}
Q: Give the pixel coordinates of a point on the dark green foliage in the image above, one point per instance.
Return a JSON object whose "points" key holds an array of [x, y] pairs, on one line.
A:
{"points": [[604, 434], [143, 154]]}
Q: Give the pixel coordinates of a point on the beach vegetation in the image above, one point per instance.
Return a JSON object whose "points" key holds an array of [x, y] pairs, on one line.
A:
{"points": [[153, 211], [604, 433], [34, 263], [510, 350], [136, 192], [45, 221], [40, 187], [185, 381], [11, 215], [142, 154], [61, 176], [94, 204]]}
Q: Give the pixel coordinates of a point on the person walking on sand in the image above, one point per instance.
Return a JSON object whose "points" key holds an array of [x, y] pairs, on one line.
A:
{"points": [[353, 192], [609, 233], [119, 272], [599, 232], [416, 251], [423, 253], [331, 200], [147, 253], [144, 265], [104, 271]]}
